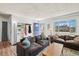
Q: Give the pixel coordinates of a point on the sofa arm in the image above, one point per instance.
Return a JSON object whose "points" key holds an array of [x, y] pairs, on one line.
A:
{"points": [[21, 51]]}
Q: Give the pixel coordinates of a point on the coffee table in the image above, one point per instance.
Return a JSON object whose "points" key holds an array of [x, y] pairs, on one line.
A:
{"points": [[54, 49]]}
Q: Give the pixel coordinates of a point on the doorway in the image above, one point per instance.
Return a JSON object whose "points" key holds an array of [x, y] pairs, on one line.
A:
{"points": [[4, 31]]}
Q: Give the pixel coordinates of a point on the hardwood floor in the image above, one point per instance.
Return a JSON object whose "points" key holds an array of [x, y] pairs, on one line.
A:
{"points": [[6, 49]]}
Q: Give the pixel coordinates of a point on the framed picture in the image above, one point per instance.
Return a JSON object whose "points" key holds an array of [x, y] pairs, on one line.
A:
{"points": [[65, 26], [36, 27]]}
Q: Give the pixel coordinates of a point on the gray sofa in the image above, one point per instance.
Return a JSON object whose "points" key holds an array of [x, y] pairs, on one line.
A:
{"points": [[68, 41], [33, 50]]}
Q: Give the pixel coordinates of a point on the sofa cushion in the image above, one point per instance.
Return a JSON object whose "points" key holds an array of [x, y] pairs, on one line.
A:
{"points": [[31, 39], [34, 46], [76, 39], [66, 37], [55, 37], [70, 41], [60, 39], [43, 42], [26, 43]]}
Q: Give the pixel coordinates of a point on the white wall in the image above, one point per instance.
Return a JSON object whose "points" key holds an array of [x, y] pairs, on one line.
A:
{"points": [[15, 20], [12, 26], [60, 18]]}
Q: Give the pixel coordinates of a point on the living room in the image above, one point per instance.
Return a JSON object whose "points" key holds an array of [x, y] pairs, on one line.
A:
{"points": [[51, 29]]}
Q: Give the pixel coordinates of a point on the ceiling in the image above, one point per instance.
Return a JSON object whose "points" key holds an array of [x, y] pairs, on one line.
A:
{"points": [[38, 10]]}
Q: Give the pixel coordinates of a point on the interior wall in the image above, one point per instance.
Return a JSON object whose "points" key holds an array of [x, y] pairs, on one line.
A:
{"points": [[51, 21], [15, 21]]}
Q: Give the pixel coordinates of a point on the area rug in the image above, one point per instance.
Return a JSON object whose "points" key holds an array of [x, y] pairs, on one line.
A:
{"points": [[70, 52]]}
